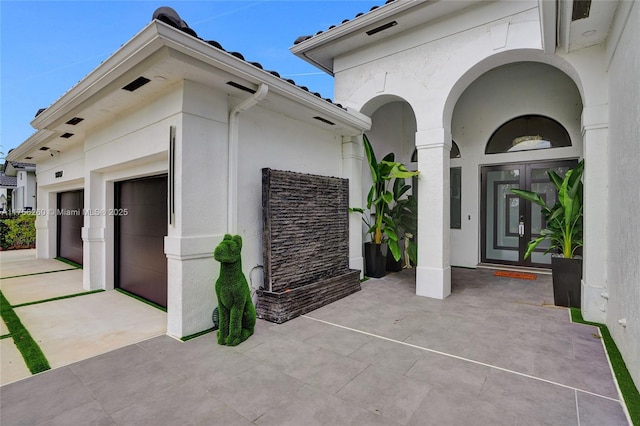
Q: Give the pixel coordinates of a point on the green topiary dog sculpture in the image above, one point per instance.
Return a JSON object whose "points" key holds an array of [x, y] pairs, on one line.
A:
{"points": [[236, 311]]}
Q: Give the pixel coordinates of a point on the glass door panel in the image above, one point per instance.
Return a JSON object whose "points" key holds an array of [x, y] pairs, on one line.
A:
{"points": [[509, 222], [539, 182], [501, 221]]}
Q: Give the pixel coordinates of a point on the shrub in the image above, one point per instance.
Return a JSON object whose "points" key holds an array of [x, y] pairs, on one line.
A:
{"points": [[3, 234], [18, 232]]}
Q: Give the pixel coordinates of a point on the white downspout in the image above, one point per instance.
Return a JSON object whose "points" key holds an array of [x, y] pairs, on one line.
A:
{"points": [[232, 180]]}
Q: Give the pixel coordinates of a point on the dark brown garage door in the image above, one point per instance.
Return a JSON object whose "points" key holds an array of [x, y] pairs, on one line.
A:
{"points": [[141, 225], [70, 221]]}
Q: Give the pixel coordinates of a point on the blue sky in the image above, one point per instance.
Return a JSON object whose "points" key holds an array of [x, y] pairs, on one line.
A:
{"points": [[46, 47]]}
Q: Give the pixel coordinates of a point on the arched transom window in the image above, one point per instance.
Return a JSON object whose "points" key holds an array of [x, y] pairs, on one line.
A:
{"points": [[526, 133]]}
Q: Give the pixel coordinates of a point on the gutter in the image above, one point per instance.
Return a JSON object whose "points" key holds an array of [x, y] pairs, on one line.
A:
{"points": [[232, 168]]}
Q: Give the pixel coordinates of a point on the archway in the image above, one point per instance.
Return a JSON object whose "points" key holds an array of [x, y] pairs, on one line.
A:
{"points": [[393, 132], [498, 121]]}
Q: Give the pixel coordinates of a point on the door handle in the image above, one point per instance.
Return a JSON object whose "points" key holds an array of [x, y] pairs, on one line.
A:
{"points": [[521, 227]]}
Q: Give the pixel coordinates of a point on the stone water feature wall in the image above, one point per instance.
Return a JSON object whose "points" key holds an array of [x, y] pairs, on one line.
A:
{"points": [[305, 244]]}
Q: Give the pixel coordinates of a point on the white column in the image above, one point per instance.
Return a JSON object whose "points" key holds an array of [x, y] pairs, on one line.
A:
{"points": [[93, 233], [46, 225], [594, 265], [433, 273], [200, 221], [352, 157]]}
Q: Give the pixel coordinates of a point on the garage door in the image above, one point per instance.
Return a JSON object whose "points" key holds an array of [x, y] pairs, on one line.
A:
{"points": [[70, 222], [141, 225]]}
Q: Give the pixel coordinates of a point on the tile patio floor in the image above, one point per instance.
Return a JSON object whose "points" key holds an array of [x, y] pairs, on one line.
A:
{"points": [[493, 353]]}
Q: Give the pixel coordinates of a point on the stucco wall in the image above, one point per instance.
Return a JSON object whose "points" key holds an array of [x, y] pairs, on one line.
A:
{"points": [[623, 204], [135, 143], [423, 67], [393, 129], [269, 139], [420, 66], [71, 163], [24, 194], [494, 98]]}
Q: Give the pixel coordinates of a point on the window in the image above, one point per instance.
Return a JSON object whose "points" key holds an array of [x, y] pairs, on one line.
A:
{"points": [[455, 187], [528, 132], [455, 151]]}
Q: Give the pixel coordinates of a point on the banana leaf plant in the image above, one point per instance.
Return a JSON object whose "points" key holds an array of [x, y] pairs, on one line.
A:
{"points": [[564, 218], [380, 199], [404, 215]]}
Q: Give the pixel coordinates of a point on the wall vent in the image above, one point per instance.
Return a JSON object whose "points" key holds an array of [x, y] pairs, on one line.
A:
{"points": [[241, 87], [324, 120], [136, 84], [74, 121], [44, 148], [66, 135], [382, 28]]}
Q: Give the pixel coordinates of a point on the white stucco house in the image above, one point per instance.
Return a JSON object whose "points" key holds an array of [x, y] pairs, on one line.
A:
{"points": [[449, 82], [7, 185], [22, 186], [172, 120]]}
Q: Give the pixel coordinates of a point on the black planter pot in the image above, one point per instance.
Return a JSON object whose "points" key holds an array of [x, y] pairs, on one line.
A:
{"points": [[567, 277], [375, 265], [393, 265]]}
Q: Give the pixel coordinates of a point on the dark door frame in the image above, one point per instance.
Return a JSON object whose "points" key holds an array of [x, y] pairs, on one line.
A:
{"points": [[60, 212], [525, 181]]}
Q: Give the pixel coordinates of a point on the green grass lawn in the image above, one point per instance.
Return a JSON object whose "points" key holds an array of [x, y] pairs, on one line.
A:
{"points": [[625, 382], [31, 352]]}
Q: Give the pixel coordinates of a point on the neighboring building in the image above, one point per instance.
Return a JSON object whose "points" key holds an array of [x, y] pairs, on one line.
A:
{"points": [[492, 94], [520, 86], [23, 190], [7, 185]]}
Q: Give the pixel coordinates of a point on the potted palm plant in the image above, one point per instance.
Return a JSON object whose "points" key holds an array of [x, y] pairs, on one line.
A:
{"points": [[564, 232], [381, 226]]}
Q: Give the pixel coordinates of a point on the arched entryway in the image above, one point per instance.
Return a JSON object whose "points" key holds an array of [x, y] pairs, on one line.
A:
{"points": [[511, 124]]}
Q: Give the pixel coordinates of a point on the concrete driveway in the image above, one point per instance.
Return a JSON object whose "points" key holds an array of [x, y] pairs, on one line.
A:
{"points": [[70, 329], [495, 352]]}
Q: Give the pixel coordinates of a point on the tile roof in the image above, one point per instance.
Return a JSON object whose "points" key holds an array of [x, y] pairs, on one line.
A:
{"points": [[307, 37], [7, 180], [171, 17]]}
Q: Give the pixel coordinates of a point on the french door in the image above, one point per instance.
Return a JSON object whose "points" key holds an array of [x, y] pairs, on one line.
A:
{"points": [[508, 222]]}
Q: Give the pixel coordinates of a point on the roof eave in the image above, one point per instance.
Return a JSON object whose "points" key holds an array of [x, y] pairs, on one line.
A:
{"points": [[201, 50], [34, 142], [135, 49], [327, 37], [151, 39]]}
